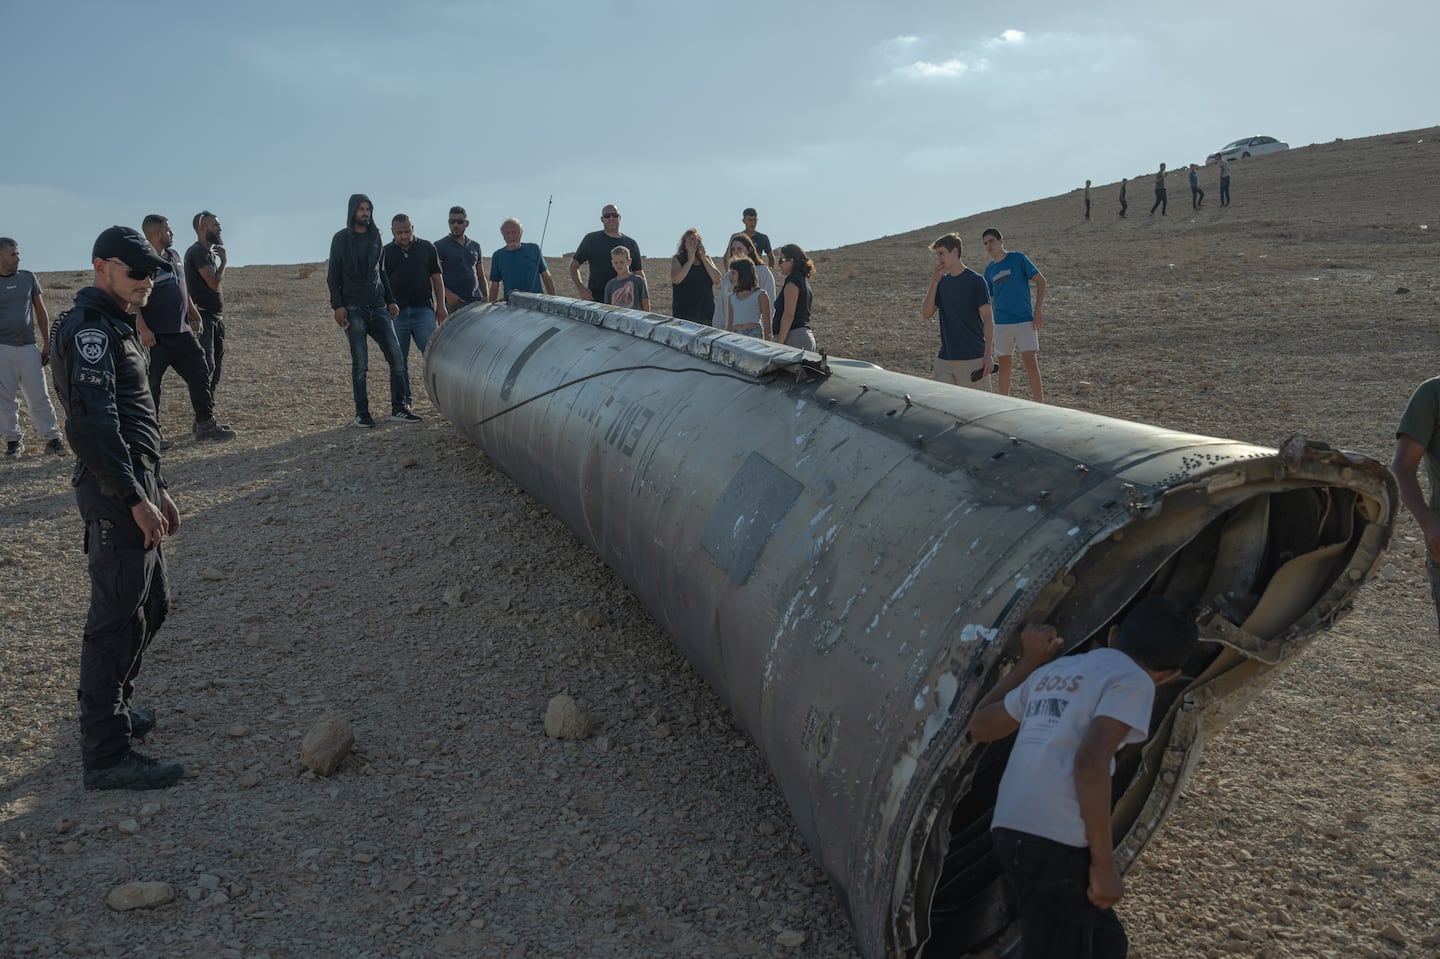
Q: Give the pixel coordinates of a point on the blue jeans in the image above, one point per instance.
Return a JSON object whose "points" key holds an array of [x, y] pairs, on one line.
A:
{"points": [[373, 321], [414, 323]]}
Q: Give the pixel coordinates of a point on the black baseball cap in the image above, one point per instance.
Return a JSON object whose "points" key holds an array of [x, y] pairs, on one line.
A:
{"points": [[129, 247]]}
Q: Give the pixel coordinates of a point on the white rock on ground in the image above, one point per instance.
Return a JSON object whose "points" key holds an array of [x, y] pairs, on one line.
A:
{"points": [[326, 744]]}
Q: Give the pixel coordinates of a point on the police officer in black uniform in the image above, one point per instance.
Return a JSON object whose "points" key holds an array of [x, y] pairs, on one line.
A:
{"points": [[115, 433]]}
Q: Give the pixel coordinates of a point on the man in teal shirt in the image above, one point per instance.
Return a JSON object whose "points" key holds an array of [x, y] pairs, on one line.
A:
{"points": [[1416, 438], [520, 266]]}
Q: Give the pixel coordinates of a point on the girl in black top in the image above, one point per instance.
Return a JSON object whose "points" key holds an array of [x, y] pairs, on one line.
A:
{"points": [[693, 278], [791, 325]]}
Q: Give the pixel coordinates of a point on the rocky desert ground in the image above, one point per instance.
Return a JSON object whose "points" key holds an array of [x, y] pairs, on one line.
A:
{"points": [[396, 578]]}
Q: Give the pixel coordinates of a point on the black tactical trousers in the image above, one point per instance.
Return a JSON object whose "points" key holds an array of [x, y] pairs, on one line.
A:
{"points": [[129, 598], [184, 353]]}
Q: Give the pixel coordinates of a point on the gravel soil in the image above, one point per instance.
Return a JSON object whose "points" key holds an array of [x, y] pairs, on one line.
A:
{"points": [[395, 577]]}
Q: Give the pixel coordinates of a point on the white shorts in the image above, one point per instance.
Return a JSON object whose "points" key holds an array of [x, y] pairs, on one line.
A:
{"points": [[1010, 337]]}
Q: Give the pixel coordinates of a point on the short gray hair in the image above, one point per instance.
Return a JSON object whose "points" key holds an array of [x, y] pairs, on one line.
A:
{"points": [[6, 243]]}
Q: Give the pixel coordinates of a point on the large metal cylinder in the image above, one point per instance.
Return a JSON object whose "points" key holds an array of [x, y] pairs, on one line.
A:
{"points": [[845, 554]]}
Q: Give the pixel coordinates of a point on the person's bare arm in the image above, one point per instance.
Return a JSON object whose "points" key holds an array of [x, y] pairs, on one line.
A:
{"points": [[991, 720], [1039, 279], [1406, 467], [789, 296], [708, 264], [42, 324], [987, 319], [212, 273], [142, 329], [581, 289], [547, 282], [437, 290], [197, 324], [928, 310], [678, 270], [1103, 739]]}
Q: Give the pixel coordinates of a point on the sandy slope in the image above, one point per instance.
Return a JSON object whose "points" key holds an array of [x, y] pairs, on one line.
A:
{"points": [[313, 567]]}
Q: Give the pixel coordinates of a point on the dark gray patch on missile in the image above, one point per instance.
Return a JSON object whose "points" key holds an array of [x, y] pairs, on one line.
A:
{"points": [[522, 359], [758, 495]]}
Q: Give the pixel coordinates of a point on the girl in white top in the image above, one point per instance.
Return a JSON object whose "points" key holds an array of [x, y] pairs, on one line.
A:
{"points": [[741, 247], [747, 308]]}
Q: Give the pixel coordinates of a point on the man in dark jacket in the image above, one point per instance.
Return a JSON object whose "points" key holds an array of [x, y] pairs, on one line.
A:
{"points": [[363, 304], [112, 427]]}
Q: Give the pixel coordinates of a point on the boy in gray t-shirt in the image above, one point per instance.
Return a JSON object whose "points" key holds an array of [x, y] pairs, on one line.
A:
{"points": [[627, 289]]}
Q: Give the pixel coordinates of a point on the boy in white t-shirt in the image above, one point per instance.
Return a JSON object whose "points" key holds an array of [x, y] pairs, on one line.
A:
{"points": [[1051, 826]]}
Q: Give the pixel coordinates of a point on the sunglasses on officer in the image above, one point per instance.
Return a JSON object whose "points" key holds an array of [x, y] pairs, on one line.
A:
{"points": [[135, 274]]}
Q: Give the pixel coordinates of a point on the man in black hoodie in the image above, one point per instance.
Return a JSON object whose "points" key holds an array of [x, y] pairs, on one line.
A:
{"points": [[363, 304], [100, 374]]}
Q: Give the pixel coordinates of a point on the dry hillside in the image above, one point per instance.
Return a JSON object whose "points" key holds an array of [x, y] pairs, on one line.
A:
{"points": [[396, 577]]}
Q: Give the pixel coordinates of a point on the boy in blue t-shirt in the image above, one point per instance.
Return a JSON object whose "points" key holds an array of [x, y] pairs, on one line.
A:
{"points": [[1017, 324], [1051, 825]]}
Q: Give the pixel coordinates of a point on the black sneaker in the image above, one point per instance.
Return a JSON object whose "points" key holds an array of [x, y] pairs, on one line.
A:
{"points": [[142, 720], [403, 415], [55, 447], [213, 431], [365, 420], [135, 771], [166, 445], [13, 449]]}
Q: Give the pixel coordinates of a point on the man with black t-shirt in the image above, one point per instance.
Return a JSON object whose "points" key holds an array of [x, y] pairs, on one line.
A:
{"points": [[761, 241], [594, 251], [165, 325], [967, 324], [415, 280], [204, 271]]}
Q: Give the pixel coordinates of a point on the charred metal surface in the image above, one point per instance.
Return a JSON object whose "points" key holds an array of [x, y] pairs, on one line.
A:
{"points": [[845, 554]]}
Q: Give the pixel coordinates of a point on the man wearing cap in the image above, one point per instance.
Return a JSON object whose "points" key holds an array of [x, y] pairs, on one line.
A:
{"points": [[166, 325], [111, 423], [364, 306]]}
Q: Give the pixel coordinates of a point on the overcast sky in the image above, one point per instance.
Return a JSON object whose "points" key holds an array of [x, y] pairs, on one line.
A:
{"points": [[839, 121]]}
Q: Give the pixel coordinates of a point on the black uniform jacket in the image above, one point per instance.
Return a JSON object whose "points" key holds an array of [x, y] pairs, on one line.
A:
{"points": [[101, 376]]}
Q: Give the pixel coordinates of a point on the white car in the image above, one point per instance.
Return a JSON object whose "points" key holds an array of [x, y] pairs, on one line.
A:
{"points": [[1248, 147]]}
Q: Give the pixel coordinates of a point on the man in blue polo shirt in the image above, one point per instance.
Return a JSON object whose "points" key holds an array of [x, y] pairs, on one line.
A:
{"points": [[461, 264], [1017, 325]]}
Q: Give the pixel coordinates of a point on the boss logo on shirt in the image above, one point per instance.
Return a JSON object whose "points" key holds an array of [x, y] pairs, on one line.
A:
{"points": [[91, 344], [1053, 683]]}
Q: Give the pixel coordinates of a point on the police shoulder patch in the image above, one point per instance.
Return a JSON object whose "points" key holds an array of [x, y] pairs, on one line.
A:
{"points": [[92, 344]]}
